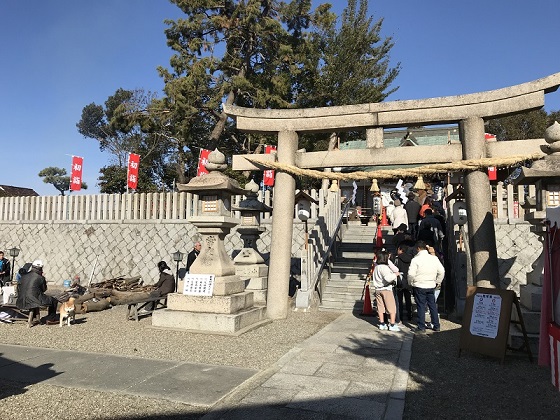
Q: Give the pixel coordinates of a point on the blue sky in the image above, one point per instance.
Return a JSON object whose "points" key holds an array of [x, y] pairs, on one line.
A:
{"points": [[60, 55]]}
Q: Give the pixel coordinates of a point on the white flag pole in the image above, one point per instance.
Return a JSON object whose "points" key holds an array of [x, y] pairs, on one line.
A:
{"points": [[127, 170]]}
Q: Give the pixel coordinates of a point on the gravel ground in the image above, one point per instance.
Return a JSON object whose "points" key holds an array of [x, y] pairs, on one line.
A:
{"points": [[442, 385], [108, 332]]}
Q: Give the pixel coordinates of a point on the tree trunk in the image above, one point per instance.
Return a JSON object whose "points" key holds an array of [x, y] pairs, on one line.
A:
{"points": [[91, 306]]}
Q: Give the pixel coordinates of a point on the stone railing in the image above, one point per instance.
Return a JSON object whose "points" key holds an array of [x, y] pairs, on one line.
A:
{"points": [[508, 202]]}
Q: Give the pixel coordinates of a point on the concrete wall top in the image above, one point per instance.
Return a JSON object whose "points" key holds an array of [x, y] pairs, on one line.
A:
{"points": [[494, 103]]}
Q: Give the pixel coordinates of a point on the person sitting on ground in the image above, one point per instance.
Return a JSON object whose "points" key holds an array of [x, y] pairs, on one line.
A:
{"points": [[192, 255], [164, 286], [31, 292], [383, 280]]}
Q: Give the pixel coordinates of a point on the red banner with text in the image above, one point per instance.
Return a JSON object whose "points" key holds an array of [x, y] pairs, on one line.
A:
{"points": [[76, 177], [268, 176], [133, 167], [202, 161]]}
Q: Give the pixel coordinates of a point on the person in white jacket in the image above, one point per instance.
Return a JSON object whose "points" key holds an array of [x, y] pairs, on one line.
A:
{"points": [[384, 278], [424, 274], [398, 216]]}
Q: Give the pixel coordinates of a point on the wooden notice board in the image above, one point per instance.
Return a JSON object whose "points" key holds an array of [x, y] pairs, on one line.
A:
{"points": [[486, 321]]}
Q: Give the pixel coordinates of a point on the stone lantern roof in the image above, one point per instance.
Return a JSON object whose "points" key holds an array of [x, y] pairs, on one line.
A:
{"points": [[547, 169], [215, 180], [251, 203]]}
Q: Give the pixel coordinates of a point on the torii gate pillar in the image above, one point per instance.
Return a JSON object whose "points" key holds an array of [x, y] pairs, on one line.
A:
{"points": [[484, 257], [282, 220]]}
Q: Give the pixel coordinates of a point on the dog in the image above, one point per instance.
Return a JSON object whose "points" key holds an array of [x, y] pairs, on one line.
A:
{"points": [[68, 311]]}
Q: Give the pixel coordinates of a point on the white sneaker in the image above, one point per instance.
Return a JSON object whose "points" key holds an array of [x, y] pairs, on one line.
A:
{"points": [[383, 327], [394, 327]]}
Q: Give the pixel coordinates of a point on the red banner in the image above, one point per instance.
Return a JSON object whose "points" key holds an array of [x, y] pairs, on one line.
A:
{"points": [[133, 166], [76, 177], [268, 176], [202, 161], [492, 173]]}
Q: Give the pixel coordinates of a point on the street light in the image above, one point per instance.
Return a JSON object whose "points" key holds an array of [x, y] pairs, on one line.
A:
{"points": [[14, 252], [177, 257]]}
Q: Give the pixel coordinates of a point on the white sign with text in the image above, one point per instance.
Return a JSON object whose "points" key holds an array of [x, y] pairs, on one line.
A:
{"points": [[198, 284], [486, 315]]}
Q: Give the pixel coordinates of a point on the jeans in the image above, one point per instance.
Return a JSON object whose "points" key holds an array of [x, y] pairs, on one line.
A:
{"points": [[407, 296], [425, 297]]}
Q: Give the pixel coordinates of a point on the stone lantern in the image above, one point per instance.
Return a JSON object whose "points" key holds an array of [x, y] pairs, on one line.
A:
{"points": [[230, 308], [249, 263]]}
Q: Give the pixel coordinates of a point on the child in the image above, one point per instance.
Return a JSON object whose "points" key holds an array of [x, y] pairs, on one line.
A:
{"points": [[383, 280]]}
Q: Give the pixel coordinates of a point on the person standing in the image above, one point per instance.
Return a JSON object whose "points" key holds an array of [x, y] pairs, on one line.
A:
{"points": [[193, 254], [31, 292], [383, 280], [425, 274], [412, 208], [404, 257], [4, 269], [398, 216]]}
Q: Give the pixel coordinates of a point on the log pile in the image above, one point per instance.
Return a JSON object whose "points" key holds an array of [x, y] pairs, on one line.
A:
{"points": [[103, 295], [122, 284]]}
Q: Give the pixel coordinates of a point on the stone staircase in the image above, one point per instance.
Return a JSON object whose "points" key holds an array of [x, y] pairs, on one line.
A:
{"points": [[343, 292]]}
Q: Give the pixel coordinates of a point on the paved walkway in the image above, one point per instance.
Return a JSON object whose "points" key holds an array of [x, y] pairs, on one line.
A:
{"points": [[349, 369]]}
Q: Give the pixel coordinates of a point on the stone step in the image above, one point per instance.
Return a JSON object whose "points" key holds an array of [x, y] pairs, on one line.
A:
{"points": [[365, 254], [531, 319], [338, 307], [354, 288], [347, 240], [341, 297], [348, 277], [530, 296], [516, 341], [351, 269], [351, 262], [355, 246]]}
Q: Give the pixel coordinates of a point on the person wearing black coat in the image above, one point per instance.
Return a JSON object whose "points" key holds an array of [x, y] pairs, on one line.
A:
{"points": [[192, 255], [164, 286], [31, 292], [402, 261]]}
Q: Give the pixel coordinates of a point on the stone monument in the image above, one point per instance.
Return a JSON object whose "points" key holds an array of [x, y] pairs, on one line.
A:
{"points": [[229, 309]]}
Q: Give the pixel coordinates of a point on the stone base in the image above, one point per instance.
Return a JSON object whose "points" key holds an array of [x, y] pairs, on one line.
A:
{"points": [[215, 304], [209, 322], [251, 270], [257, 283], [259, 297], [530, 297]]}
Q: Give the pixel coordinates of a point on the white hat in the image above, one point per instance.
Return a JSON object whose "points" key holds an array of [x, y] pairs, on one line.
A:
{"points": [[37, 263]]}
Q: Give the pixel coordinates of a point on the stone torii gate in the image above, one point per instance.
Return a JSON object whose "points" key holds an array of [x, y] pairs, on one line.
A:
{"points": [[468, 111]]}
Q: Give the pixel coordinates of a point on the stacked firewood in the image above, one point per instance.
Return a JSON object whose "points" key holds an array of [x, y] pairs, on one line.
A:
{"points": [[111, 292], [122, 284]]}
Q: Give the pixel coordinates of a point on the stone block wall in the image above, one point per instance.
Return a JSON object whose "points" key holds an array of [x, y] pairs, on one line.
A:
{"points": [[122, 248], [518, 248]]}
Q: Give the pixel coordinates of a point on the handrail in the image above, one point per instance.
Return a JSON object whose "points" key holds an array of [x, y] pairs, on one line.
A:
{"points": [[329, 248]]}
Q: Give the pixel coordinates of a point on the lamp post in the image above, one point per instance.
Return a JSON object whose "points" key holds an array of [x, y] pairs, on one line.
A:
{"points": [[14, 252], [177, 257]]}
